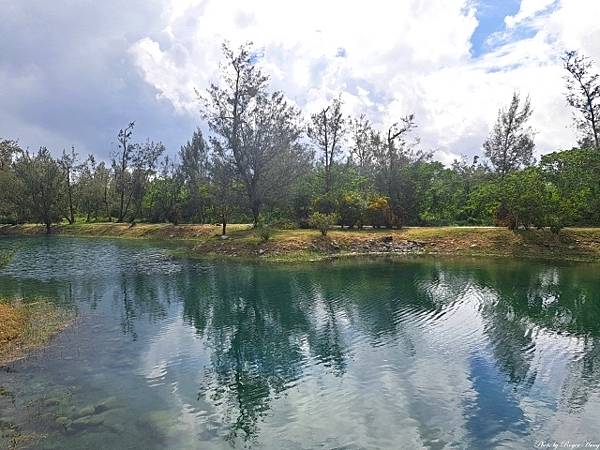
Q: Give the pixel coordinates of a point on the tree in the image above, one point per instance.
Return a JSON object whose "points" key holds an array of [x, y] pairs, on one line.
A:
{"points": [[326, 131], [583, 94], [90, 193], [256, 132], [143, 168], [8, 151], [393, 154], [165, 195], [224, 190], [365, 144], [576, 175], [133, 165], [40, 189], [194, 167], [352, 208], [510, 144], [71, 167], [121, 169]]}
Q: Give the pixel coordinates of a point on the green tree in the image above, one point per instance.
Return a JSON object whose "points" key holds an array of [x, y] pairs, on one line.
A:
{"points": [[257, 132], [576, 175], [194, 167], [510, 144], [39, 187], [352, 209], [71, 167], [326, 130], [8, 152]]}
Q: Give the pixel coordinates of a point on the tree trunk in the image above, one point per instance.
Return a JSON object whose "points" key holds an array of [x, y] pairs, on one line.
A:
{"points": [[71, 217], [224, 227], [48, 225]]}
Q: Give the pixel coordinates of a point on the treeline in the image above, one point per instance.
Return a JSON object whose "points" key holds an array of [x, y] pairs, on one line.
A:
{"points": [[264, 162]]}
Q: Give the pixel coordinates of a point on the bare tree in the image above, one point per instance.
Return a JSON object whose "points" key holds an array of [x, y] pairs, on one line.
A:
{"points": [[326, 131], [583, 94], [510, 144]]}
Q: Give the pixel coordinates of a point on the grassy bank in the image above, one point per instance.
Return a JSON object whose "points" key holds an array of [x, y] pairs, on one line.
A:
{"points": [[574, 244], [25, 326]]}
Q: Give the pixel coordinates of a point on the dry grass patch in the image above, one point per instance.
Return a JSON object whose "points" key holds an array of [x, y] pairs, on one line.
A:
{"points": [[25, 326]]}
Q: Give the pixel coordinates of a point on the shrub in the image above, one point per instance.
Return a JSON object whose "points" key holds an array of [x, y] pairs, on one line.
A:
{"points": [[352, 208], [322, 222], [380, 214], [264, 231]]}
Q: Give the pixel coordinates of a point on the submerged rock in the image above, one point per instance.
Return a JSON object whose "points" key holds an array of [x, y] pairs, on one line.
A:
{"points": [[162, 420]]}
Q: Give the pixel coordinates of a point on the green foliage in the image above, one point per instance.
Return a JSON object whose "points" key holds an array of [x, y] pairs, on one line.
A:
{"points": [[264, 231], [575, 174], [258, 159], [322, 221], [523, 199], [380, 214], [325, 204], [38, 191], [352, 209]]}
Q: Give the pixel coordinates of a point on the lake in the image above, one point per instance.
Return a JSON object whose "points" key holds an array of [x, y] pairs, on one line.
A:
{"points": [[354, 354]]}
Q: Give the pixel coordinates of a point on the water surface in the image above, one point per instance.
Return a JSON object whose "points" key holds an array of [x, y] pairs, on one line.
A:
{"points": [[407, 353]]}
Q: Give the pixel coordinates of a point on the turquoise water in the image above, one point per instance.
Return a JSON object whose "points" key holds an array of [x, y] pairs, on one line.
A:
{"points": [[406, 353]]}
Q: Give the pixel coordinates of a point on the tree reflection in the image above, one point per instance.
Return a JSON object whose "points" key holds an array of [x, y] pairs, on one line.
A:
{"points": [[260, 330]]}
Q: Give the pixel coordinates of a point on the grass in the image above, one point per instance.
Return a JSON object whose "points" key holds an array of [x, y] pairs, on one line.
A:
{"points": [[574, 244], [25, 326]]}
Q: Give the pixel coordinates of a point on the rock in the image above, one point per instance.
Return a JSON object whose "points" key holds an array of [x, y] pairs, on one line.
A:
{"points": [[223, 237], [87, 422], [387, 238], [106, 404], [261, 251], [64, 421], [51, 402], [162, 420], [473, 245], [88, 410]]}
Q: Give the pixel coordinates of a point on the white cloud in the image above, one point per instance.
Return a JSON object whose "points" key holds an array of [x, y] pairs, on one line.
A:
{"points": [[528, 10], [400, 57], [390, 58]]}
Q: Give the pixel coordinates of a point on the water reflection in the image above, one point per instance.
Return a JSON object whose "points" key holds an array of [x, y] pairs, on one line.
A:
{"points": [[365, 354]]}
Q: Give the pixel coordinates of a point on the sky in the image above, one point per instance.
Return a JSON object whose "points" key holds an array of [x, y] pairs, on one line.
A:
{"points": [[73, 72]]}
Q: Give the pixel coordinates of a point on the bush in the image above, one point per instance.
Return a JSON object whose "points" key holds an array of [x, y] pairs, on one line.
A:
{"points": [[322, 222], [352, 209], [264, 231], [380, 214]]}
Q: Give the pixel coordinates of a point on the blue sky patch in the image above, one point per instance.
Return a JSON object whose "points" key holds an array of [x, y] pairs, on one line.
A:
{"points": [[491, 14]]}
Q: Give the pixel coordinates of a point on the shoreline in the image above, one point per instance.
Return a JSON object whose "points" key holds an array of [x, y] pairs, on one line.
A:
{"points": [[301, 245], [28, 327]]}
